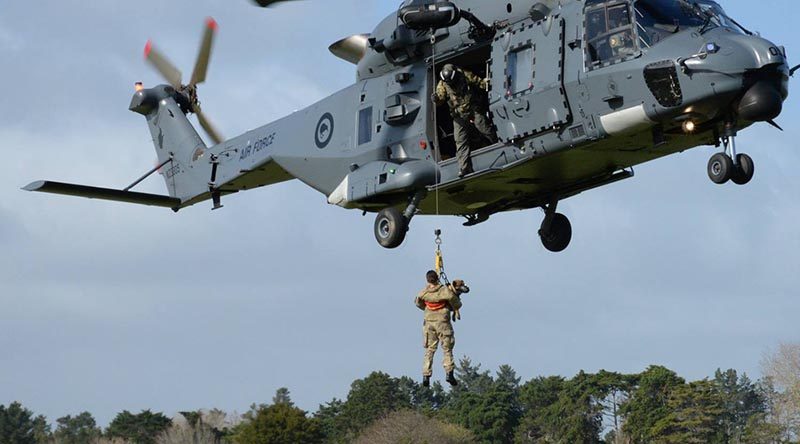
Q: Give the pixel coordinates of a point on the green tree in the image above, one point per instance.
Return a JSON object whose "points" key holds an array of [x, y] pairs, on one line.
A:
{"points": [[371, 398], [41, 430], [694, 415], [470, 378], [79, 429], [488, 407], [282, 397], [649, 403], [422, 399], [279, 423], [16, 425], [331, 421], [614, 391], [742, 399], [536, 398], [142, 428]]}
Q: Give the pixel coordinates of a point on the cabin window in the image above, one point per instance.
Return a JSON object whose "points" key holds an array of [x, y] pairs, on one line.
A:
{"points": [[365, 126], [520, 70], [609, 32]]}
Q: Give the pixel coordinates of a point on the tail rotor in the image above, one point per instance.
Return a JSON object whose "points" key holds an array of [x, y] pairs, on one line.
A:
{"points": [[190, 102]]}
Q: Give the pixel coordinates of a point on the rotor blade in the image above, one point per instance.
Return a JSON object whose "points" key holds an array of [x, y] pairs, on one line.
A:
{"points": [[212, 132], [163, 65], [203, 57]]}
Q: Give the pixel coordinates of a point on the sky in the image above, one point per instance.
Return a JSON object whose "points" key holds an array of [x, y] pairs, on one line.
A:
{"points": [[108, 307]]}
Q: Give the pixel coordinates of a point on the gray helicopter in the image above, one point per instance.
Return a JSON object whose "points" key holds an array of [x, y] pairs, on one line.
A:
{"points": [[580, 91]]}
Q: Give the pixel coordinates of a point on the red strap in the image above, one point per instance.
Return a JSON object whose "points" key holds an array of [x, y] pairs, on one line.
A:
{"points": [[434, 306]]}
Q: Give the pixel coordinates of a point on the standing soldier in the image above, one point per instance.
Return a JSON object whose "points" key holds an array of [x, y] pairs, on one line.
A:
{"points": [[462, 91], [437, 300]]}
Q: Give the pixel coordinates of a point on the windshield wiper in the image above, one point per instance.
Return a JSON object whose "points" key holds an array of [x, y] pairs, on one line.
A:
{"points": [[707, 13]]}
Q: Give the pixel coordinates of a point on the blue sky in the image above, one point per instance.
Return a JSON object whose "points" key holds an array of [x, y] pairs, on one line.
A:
{"points": [[105, 307]]}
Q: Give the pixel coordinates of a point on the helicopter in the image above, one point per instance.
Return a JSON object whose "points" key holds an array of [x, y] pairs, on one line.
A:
{"points": [[579, 93]]}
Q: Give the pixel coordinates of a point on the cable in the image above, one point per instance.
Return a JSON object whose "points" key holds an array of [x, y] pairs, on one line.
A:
{"points": [[437, 153]]}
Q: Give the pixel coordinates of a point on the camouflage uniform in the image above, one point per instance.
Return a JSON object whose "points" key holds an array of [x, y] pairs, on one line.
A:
{"points": [[437, 301], [462, 96]]}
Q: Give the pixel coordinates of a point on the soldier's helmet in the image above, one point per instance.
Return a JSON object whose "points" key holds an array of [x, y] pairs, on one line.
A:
{"points": [[448, 73]]}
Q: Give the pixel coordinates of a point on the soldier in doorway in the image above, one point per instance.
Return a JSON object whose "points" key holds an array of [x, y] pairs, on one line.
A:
{"points": [[462, 91]]}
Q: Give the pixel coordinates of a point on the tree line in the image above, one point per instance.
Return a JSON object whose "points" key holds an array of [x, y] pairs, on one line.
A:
{"points": [[655, 406]]}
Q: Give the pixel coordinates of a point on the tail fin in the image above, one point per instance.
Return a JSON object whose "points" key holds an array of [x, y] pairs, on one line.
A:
{"points": [[187, 173]]}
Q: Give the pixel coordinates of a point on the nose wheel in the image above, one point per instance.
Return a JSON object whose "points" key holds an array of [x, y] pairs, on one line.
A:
{"points": [[738, 168]]}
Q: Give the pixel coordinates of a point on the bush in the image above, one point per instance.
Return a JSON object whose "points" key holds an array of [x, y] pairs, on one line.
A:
{"points": [[409, 427]]}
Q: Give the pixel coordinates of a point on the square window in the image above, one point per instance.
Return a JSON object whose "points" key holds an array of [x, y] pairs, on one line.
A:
{"points": [[365, 126], [520, 69]]}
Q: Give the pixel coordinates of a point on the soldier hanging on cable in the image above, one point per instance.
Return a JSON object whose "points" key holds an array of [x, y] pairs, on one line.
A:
{"points": [[437, 301], [462, 91]]}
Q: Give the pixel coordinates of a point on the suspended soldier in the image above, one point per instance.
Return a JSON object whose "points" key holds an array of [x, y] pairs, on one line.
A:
{"points": [[463, 91], [437, 301]]}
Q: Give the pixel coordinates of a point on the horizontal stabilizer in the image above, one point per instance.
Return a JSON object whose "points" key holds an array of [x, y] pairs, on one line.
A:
{"points": [[44, 186]]}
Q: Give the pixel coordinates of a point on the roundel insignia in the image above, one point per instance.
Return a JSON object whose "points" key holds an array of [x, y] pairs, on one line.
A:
{"points": [[324, 131]]}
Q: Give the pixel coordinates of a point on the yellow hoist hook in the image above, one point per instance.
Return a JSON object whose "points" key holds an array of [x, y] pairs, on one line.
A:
{"points": [[438, 260]]}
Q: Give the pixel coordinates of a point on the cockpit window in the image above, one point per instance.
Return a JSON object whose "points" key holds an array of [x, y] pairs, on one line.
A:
{"points": [[715, 10], [658, 19], [609, 32]]}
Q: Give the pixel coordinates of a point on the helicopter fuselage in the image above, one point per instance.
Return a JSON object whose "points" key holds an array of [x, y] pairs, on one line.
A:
{"points": [[580, 92]]}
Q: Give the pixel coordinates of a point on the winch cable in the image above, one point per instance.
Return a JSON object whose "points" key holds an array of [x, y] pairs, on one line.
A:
{"points": [[438, 261], [437, 153]]}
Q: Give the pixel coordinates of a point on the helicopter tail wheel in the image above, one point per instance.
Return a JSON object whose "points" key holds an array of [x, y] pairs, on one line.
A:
{"points": [[745, 168], [390, 227], [720, 168], [556, 232]]}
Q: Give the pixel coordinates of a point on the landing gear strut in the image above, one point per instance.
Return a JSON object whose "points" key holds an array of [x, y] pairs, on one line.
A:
{"points": [[391, 225], [728, 165], [556, 231]]}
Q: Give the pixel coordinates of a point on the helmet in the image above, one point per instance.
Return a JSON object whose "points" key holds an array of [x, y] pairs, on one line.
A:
{"points": [[448, 73]]}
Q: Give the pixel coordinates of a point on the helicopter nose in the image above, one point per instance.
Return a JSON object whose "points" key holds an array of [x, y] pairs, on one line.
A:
{"points": [[765, 75]]}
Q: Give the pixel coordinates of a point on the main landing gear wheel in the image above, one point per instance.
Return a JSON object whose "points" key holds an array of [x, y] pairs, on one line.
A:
{"points": [[720, 168], [390, 227], [556, 232], [744, 170]]}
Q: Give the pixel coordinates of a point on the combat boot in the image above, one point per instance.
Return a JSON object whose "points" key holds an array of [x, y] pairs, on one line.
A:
{"points": [[426, 381], [451, 379]]}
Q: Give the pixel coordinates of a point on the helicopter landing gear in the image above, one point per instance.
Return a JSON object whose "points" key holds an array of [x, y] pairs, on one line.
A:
{"points": [[720, 168], [745, 168], [728, 165], [391, 225], [556, 230]]}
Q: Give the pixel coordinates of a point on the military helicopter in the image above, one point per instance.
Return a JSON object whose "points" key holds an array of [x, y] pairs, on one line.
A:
{"points": [[580, 92]]}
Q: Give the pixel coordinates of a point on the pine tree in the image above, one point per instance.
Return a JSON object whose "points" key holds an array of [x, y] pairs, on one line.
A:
{"points": [[16, 425]]}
